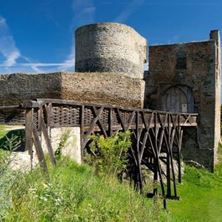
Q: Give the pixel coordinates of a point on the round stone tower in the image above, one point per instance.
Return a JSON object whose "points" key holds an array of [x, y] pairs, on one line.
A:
{"points": [[110, 47]]}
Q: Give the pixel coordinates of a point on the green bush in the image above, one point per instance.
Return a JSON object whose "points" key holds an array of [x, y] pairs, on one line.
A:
{"points": [[109, 156]]}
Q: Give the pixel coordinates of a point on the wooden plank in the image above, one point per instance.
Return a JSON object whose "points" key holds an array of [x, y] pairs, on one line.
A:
{"points": [[48, 114], [28, 131], [143, 145], [121, 120], [168, 175], [10, 107], [48, 143], [86, 139], [138, 135], [39, 151], [43, 101], [130, 120], [82, 118], [179, 157], [110, 120], [171, 160], [99, 122]]}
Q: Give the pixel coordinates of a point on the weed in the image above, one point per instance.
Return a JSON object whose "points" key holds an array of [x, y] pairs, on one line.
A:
{"points": [[76, 194], [63, 140]]}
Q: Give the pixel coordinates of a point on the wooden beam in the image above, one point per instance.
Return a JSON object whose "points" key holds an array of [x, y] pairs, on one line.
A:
{"points": [[39, 151], [28, 131], [48, 143]]}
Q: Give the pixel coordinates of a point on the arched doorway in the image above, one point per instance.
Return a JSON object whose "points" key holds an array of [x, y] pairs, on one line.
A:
{"points": [[178, 99]]}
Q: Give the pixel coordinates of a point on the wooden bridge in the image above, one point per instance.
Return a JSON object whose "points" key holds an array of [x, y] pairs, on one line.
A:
{"points": [[156, 135]]}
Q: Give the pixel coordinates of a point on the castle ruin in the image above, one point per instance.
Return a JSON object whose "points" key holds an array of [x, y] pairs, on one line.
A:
{"points": [[109, 67]]}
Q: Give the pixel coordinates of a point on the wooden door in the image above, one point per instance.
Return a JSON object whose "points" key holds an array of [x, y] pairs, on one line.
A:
{"points": [[177, 99]]}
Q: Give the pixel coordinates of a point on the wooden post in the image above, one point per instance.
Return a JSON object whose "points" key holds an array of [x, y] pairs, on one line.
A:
{"points": [[138, 134], [28, 133], [110, 121], [39, 151], [82, 119], [48, 143]]}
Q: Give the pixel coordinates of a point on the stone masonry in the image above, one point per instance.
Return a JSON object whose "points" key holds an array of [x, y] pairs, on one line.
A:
{"points": [[188, 75], [101, 88], [110, 47]]}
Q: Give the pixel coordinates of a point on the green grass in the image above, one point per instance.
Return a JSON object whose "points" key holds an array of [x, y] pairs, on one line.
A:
{"points": [[74, 193], [201, 196], [2, 131]]}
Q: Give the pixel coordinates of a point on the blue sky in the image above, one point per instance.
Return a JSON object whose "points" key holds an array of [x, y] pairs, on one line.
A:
{"points": [[38, 35]]}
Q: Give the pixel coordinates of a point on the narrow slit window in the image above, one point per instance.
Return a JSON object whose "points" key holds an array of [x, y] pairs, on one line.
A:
{"points": [[181, 61]]}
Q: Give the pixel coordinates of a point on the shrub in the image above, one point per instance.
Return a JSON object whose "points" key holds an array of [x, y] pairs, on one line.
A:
{"points": [[109, 155]]}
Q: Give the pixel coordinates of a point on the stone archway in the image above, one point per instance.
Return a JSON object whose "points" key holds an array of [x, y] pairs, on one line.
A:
{"points": [[178, 99]]}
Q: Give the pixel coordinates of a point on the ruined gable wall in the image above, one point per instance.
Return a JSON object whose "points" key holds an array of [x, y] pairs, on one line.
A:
{"points": [[201, 74]]}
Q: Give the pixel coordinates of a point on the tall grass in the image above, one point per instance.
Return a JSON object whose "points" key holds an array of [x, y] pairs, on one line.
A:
{"points": [[2, 131], [75, 194], [7, 178]]}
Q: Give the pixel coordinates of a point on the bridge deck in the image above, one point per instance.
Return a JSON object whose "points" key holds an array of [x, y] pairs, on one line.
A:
{"points": [[69, 113]]}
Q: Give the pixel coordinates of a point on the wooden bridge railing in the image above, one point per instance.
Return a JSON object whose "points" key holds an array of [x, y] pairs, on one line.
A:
{"points": [[156, 135]]}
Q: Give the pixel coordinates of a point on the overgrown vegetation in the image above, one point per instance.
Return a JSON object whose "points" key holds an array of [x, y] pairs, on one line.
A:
{"points": [[2, 131], [108, 156], [62, 144], [8, 143], [7, 178], [74, 193]]}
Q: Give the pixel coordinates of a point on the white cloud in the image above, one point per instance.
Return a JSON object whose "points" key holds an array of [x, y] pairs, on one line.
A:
{"points": [[2, 21], [11, 54], [7, 44], [10, 51], [129, 10], [83, 13], [69, 62]]}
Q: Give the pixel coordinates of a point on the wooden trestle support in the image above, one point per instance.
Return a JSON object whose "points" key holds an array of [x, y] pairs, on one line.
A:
{"points": [[156, 135]]}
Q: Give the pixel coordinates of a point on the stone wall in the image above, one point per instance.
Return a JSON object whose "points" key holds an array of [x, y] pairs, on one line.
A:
{"points": [[194, 66], [101, 88], [67, 139], [110, 47], [16, 88]]}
